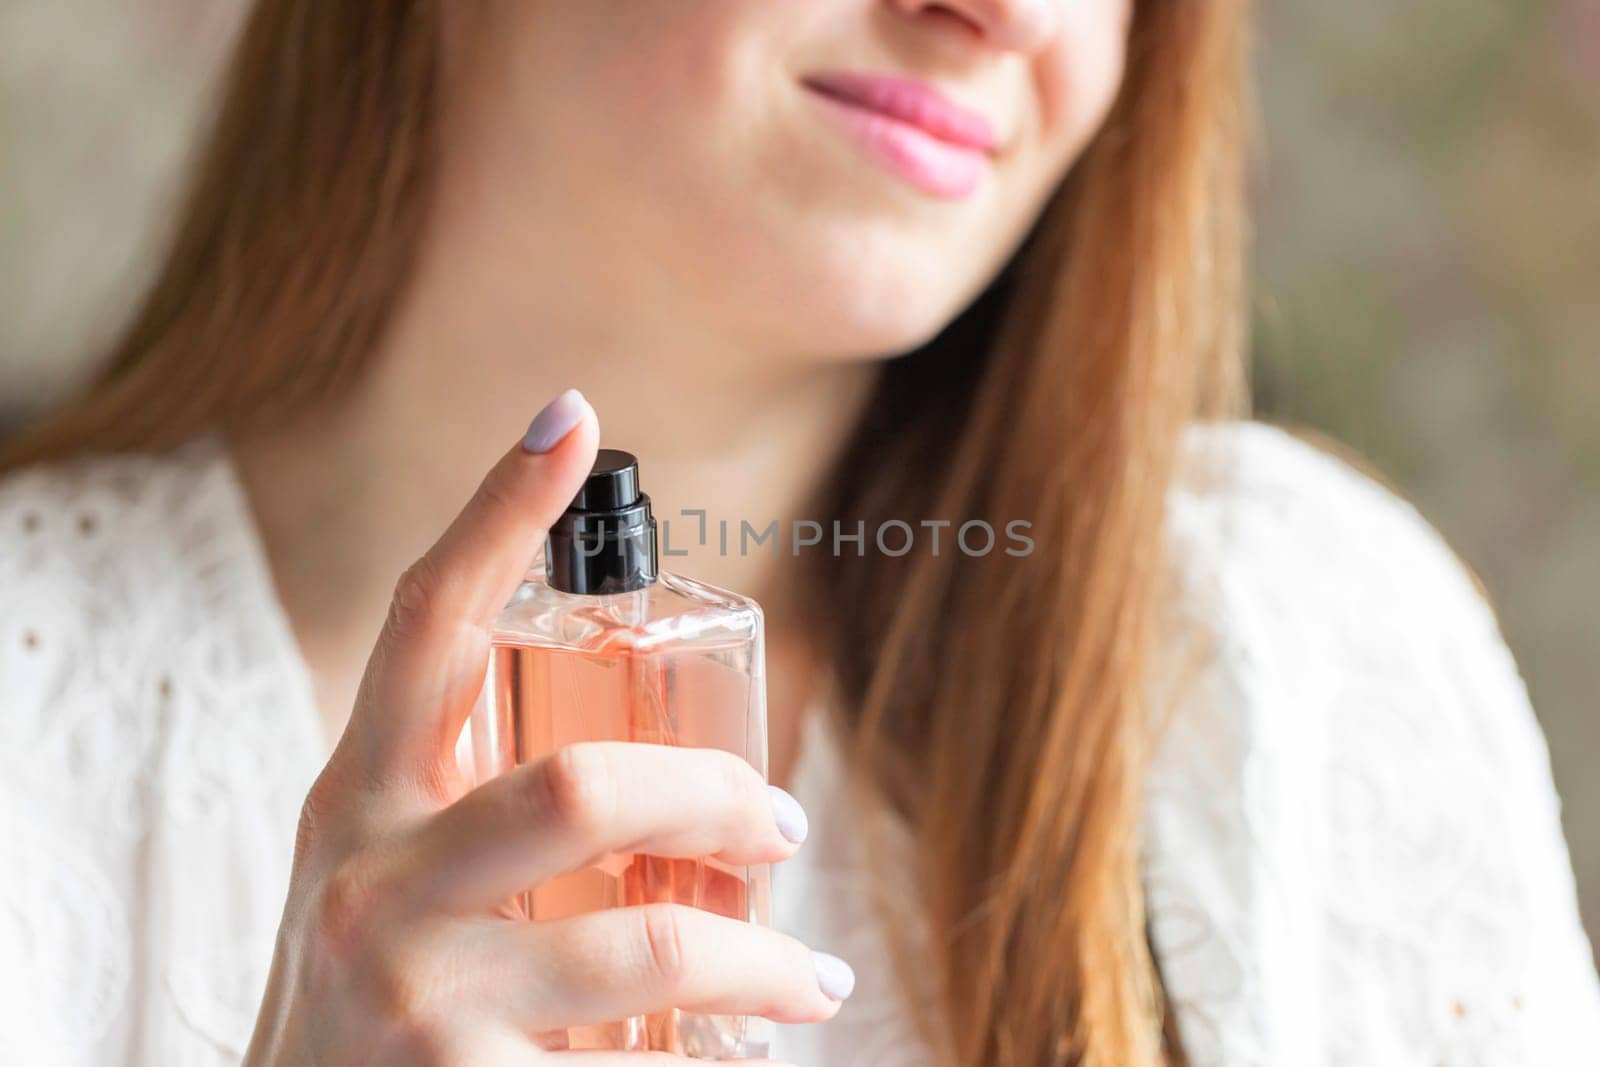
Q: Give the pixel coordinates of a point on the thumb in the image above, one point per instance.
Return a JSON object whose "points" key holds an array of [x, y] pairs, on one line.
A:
{"points": [[429, 661]]}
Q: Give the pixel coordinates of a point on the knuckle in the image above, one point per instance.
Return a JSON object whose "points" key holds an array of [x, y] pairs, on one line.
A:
{"points": [[578, 788], [744, 786], [414, 996], [404, 998], [497, 495], [415, 593], [345, 907], [662, 939], [419, 1043], [316, 812]]}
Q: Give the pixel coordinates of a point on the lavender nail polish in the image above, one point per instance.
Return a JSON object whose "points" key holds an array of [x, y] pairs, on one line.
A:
{"points": [[790, 816], [834, 976], [554, 422]]}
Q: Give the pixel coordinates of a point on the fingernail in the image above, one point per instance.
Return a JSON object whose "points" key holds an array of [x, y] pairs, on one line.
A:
{"points": [[834, 976], [791, 817], [554, 422]]}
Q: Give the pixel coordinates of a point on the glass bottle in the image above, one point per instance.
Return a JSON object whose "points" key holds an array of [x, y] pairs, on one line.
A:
{"points": [[599, 645]]}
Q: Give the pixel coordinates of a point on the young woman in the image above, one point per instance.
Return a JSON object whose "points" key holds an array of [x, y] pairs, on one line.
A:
{"points": [[1232, 768]]}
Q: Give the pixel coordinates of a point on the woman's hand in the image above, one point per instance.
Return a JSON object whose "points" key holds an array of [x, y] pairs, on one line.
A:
{"points": [[396, 946]]}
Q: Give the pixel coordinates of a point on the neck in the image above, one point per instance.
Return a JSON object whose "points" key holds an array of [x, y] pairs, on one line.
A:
{"points": [[515, 298], [347, 497]]}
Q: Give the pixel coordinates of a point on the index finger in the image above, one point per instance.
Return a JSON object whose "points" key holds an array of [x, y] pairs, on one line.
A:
{"points": [[429, 661]]}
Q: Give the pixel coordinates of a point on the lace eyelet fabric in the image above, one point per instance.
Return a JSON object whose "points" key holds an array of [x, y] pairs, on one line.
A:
{"points": [[1352, 846], [157, 736]]}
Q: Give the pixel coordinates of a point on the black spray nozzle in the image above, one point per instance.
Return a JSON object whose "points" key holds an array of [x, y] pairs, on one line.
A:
{"points": [[605, 542]]}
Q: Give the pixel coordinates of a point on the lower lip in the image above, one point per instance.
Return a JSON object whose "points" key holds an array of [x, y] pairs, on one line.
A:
{"points": [[946, 170]]}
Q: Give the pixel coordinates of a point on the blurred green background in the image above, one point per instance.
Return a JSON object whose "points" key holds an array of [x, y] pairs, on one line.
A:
{"points": [[1426, 277], [1428, 290]]}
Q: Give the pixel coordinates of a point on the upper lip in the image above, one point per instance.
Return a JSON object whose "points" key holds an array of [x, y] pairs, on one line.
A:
{"points": [[908, 100]]}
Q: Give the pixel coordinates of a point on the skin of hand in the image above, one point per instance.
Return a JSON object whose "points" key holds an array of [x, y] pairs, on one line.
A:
{"points": [[397, 945]]}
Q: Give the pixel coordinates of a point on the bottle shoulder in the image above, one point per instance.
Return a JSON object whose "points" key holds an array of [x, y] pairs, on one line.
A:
{"points": [[673, 610], [692, 591]]}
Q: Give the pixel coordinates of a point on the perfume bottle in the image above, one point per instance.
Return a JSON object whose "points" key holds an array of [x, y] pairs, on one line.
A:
{"points": [[598, 645]]}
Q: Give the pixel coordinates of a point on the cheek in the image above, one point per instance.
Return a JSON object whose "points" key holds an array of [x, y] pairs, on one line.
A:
{"points": [[1078, 79], [635, 106], [633, 68]]}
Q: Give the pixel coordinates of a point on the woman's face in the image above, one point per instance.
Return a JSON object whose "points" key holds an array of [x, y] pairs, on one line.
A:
{"points": [[833, 177]]}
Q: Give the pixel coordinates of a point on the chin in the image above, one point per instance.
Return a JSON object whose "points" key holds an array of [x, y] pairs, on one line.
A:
{"points": [[847, 312], [862, 324]]}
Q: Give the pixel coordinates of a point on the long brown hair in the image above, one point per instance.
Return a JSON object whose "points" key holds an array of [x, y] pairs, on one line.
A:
{"points": [[995, 701]]}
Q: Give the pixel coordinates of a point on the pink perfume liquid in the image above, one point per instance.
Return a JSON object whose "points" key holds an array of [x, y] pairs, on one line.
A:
{"points": [[676, 663]]}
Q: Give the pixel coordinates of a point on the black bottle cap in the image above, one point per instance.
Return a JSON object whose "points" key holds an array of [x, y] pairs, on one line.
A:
{"points": [[612, 483], [605, 542]]}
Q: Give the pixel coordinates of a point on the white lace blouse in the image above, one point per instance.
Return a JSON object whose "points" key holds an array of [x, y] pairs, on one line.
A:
{"points": [[1353, 851]]}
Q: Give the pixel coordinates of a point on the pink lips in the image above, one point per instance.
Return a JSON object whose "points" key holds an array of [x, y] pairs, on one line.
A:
{"points": [[909, 126]]}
